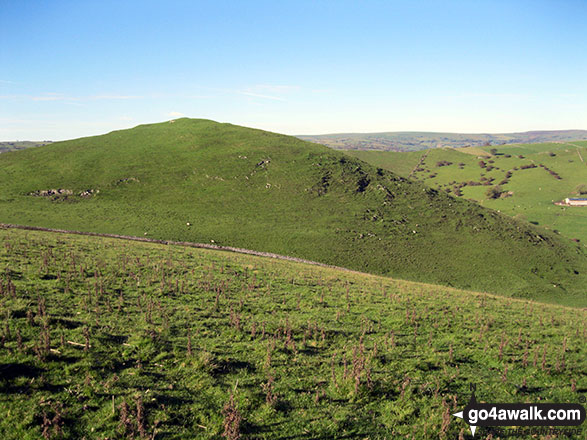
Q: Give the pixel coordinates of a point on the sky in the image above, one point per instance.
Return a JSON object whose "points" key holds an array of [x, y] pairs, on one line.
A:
{"points": [[78, 68]]}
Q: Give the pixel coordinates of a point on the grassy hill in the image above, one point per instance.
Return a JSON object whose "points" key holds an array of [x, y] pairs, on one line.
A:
{"points": [[540, 174], [198, 180], [417, 141], [102, 338]]}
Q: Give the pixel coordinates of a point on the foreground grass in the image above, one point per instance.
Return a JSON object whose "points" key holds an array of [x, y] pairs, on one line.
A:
{"points": [[111, 339]]}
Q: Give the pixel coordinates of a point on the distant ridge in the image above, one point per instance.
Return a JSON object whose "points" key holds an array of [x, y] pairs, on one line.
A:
{"points": [[20, 145], [416, 140]]}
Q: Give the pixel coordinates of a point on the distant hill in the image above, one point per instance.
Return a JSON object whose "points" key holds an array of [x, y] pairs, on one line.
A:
{"points": [[202, 181], [529, 177], [416, 141], [20, 145]]}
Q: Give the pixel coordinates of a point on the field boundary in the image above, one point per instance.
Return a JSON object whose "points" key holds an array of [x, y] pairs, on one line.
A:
{"points": [[274, 256], [180, 243], [420, 162]]}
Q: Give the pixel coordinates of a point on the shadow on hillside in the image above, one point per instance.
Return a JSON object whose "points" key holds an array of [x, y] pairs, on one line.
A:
{"points": [[229, 366], [12, 371]]}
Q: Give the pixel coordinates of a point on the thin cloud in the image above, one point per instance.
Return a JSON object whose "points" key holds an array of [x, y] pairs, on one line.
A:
{"points": [[53, 97], [61, 97], [258, 95], [274, 92], [274, 88], [492, 95], [319, 91], [175, 114], [113, 97], [256, 91], [177, 95]]}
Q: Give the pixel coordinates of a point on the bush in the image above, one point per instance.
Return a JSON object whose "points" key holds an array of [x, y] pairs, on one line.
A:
{"points": [[494, 192]]}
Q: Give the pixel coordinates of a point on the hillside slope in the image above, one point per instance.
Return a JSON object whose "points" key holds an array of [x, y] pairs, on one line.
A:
{"points": [[198, 180], [531, 178], [309, 352]]}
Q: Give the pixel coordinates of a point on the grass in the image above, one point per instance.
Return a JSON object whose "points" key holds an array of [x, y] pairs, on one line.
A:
{"points": [[398, 162], [533, 190], [268, 192], [103, 338]]}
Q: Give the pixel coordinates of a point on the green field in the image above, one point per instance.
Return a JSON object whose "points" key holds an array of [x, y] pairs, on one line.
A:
{"points": [[269, 192], [104, 338], [533, 190]]}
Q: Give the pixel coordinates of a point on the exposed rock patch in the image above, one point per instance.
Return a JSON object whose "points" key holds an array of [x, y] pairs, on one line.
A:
{"points": [[63, 194], [51, 192], [126, 180], [88, 193]]}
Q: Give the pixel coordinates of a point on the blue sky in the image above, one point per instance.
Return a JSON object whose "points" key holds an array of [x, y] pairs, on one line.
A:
{"points": [[79, 68]]}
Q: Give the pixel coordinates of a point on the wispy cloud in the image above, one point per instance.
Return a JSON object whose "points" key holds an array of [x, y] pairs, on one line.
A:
{"points": [[274, 92], [182, 95], [113, 97], [175, 114], [321, 91], [61, 97], [496, 95], [53, 97], [275, 88], [258, 95]]}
